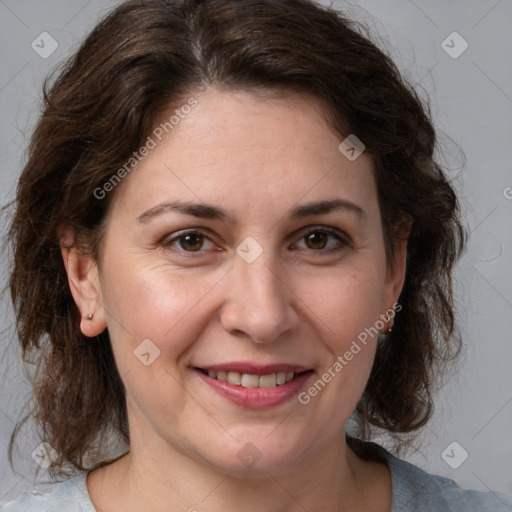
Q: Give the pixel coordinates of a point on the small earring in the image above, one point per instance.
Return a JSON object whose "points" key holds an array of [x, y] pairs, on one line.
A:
{"points": [[391, 326], [89, 317]]}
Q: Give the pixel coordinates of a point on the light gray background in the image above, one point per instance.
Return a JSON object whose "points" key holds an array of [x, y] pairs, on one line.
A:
{"points": [[471, 98]]}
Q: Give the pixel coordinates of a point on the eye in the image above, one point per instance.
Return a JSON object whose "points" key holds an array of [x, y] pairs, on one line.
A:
{"points": [[191, 241], [324, 240]]}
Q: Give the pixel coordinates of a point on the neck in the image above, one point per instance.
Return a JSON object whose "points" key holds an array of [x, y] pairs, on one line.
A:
{"points": [[329, 477]]}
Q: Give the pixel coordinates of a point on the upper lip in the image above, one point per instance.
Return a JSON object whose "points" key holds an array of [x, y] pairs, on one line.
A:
{"points": [[255, 369]]}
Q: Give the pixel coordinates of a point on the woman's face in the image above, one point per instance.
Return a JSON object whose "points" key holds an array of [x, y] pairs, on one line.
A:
{"points": [[216, 258]]}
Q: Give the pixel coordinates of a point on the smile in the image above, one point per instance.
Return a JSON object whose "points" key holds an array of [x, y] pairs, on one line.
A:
{"points": [[247, 380], [254, 386]]}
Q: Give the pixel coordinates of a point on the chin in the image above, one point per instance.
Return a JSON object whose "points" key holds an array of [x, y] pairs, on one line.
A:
{"points": [[256, 454]]}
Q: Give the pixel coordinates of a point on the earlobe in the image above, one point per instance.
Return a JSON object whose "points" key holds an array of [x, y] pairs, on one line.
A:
{"points": [[83, 279], [93, 324]]}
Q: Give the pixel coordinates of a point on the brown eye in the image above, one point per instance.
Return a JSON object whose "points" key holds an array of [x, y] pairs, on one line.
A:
{"points": [[316, 240], [191, 242], [323, 241]]}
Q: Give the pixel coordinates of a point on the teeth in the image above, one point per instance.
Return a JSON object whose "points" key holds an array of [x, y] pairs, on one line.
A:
{"points": [[268, 381], [250, 381], [235, 378], [247, 380]]}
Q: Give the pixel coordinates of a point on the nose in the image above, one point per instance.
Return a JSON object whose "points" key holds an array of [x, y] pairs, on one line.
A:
{"points": [[260, 304]]}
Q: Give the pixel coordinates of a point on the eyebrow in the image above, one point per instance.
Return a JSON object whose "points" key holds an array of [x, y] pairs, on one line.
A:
{"points": [[207, 211]]}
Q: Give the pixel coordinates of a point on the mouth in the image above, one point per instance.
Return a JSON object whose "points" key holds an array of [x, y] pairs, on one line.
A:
{"points": [[256, 387], [249, 380]]}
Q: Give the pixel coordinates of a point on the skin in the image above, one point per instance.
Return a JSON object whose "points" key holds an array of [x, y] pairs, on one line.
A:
{"points": [[295, 303]]}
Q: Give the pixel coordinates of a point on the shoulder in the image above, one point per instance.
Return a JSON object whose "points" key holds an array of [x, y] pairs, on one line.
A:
{"points": [[415, 489], [68, 496]]}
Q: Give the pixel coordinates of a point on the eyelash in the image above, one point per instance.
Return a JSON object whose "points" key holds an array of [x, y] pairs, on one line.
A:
{"points": [[343, 241]]}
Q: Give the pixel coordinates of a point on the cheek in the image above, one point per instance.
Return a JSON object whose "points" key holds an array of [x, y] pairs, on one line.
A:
{"points": [[166, 308], [345, 301], [346, 307], [157, 303]]}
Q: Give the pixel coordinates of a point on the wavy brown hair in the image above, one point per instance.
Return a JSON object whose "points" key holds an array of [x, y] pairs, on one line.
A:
{"points": [[146, 56]]}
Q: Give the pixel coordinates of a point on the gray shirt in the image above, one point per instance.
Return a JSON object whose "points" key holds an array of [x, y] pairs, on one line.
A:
{"points": [[412, 490]]}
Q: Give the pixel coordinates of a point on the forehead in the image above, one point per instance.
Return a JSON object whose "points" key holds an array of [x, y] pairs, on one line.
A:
{"points": [[245, 151]]}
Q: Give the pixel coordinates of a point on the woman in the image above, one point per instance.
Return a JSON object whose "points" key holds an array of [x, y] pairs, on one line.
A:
{"points": [[230, 238]]}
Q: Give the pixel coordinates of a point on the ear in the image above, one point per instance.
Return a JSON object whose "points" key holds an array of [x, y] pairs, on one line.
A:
{"points": [[83, 278], [396, 269]]}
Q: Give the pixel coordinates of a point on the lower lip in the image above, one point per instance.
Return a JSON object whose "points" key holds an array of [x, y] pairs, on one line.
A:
{"points": [[257, 398]]}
